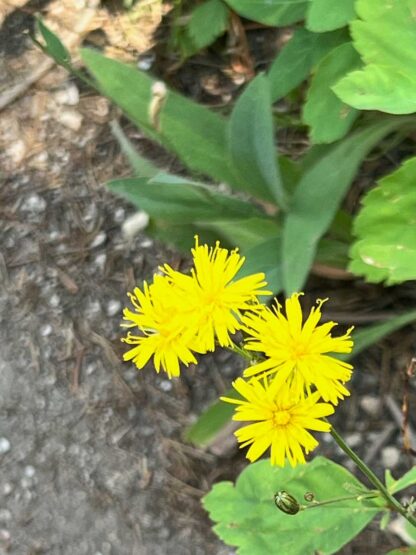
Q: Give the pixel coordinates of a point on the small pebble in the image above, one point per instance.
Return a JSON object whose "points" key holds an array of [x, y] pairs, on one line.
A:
{"points": [[68, 96], [70, 118], [119, 214], [46, 330], [29, 471], [390, 456], [100, 260], [165, 385], [54, 300], [99, 239], [353, 440], [7, 488], [34, 203], [113, 308], [135, 223], [370, 404], [4, 445]]}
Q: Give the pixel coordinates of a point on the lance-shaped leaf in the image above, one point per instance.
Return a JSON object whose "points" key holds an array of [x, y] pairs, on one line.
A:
{"points": [[299, 55], [175, 199], [328, 117], [208, 21], [317, 198], [385, 36], [196, 134], [385, 249], [251, 143], [246, 516]]}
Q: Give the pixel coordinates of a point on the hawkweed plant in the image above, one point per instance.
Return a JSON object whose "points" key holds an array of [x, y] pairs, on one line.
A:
{"points": [[293, 382]]}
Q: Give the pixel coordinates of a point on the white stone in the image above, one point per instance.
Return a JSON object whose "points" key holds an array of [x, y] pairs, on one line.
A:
{"points": [[99, 239], [113, 307], [70, 118], [370, 404], [135, 223], [4, 445], [390, 456], [29, 471]]}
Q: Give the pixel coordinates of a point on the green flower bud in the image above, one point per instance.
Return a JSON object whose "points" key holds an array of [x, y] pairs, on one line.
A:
{"points": [[286, 503]]}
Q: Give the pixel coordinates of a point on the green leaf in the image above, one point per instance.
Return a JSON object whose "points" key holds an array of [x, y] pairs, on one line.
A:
{"points": [[403, 551], [212, 421], [246, 234], [264, 257], [277, 13], [318, 196], [196, 134], [141, 166], [246, 516], [208, 21], [323, 16], [175, 199], [251, 143], [328, 117], [385, 36], [364, 338], [53, 46], [299, 55], [385, 249], [407, 480]]}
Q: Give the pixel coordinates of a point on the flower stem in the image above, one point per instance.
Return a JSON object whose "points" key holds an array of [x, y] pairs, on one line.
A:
{"points": [[391, 501], [240, 351]]}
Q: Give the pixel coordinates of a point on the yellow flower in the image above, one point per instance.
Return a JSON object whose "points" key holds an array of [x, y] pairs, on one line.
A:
{"points": [[279, 419], [163, 331], [298, 353], [211, 296]]}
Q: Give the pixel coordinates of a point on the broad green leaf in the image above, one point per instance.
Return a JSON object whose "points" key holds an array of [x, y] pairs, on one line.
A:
{"points": [[318, 196], [196, 134], [403, 551], [407, 480], [385, 36], [175, 199], [246, 516], [208, 21], [277, 13], [363, 338], [141, 166], [328, 117], [251, 143], [385, 249], [53, 46], [299, 55], [323, 15]]}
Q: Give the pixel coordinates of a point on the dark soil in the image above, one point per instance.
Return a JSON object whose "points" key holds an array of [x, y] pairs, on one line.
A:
{"points": [[91, 451]]}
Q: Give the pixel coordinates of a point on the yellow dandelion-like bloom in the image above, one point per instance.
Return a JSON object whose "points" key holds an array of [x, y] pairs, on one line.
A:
{"points": [[279, 420], [298, 352], [213, 299], [163, 333]]}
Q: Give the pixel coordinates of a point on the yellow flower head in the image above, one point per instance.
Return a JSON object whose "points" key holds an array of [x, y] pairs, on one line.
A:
{"points": [[298, 353], [279, 420], [212, 299], [163, 332]]}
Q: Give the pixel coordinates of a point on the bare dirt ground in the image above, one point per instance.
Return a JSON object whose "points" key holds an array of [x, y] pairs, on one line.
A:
{"points": [[92, 459]]}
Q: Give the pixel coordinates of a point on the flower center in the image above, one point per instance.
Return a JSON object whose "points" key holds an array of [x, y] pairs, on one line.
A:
{"points": [[281, 417]]}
